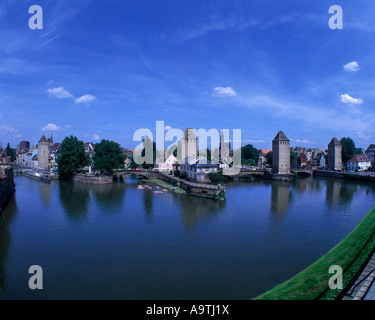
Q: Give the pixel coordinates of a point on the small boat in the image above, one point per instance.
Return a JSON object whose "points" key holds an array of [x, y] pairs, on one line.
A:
{"points": [[165, 190], [158, 191]]}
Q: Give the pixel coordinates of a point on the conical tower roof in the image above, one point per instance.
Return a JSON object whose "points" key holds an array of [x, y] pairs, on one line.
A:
{"points": [[334, 141], [281, 136], [43, 139], [189, 134]]}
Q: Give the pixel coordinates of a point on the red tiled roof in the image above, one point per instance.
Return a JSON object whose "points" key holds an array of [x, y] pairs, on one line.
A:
{"points": [[359, 158], [265, 151]]}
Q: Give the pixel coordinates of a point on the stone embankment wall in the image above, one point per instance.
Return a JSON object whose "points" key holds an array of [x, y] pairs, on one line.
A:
{"points": [[92, 179], [7, 186], [344, 175]]}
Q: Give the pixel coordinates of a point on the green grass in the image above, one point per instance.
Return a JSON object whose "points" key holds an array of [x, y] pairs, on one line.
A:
{"points": [[312, 283], [165, 184]]}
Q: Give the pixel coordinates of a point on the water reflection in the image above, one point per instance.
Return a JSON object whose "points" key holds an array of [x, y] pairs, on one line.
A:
{"points": [[45, 193], [280, 197], [148, 203], [109, 196], [195, 210], [74, 197], [5, 237], [340, 192]]}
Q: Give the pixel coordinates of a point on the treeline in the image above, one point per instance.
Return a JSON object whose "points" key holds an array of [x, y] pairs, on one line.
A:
{"points": [[108, 156]]}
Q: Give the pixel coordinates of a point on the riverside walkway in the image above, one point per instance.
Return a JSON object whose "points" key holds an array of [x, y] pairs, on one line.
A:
{"points": [[364, 286]]}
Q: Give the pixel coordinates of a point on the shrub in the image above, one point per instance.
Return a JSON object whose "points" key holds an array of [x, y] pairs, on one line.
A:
{"points": [[183, 175]]}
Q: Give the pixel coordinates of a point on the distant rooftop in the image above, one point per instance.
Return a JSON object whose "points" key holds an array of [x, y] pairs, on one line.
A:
{"points": [[360, 158]]}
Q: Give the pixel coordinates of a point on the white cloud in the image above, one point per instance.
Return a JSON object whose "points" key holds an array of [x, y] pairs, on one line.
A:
{"points": [[362, 136], [50, 127], [301, 141], [249, 141], [351, 66], [345, 98], [166, 128], [60, 93], [224, 92], [85, 98], [95, 137]]}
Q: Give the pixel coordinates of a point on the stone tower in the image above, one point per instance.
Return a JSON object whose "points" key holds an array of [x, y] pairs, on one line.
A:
{"points": [[334, 155], [281, 154], [43, 154], [224, 146], [189, 145]]}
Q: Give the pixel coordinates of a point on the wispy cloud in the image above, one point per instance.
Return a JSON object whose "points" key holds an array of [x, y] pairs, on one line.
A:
{"points": [[95, 137], [347, 99], [352, 66], [6, 128], [224, 92], [301, 141]]}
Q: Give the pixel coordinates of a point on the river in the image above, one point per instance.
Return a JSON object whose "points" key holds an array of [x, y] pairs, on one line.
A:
{"points": [[119, 242]]}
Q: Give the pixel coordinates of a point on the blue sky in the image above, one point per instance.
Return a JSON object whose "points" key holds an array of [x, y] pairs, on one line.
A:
{"points": [[103, 69]]}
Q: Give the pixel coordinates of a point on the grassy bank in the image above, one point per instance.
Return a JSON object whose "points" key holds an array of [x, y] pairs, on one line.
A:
{"points": [[312, 283], [166, 185]]}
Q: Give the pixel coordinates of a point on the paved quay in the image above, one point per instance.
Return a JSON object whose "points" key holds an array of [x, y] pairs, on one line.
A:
{"points": [[364, 286]]}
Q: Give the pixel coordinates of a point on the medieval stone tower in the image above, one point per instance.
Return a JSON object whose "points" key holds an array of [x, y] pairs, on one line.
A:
{"points": [[281, 154], [334, 155], [189, 144], [43, 154]]}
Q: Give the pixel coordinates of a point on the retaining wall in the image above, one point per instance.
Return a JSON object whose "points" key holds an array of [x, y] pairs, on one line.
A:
{"points": [[7, 186]]}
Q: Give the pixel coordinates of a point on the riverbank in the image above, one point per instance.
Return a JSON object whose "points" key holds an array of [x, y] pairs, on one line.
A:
{"points": [[7, 186], [350, 254]]}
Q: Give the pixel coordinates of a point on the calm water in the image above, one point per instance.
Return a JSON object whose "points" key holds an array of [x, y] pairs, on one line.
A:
{"points": [[118, 242]]}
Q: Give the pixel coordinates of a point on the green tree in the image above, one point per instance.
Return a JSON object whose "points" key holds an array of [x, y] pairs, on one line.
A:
{"points": [[358, 151], [248, 153], [108, 156], [268, 157], [148, 144], [293, 156], [132, 163], [72, 156], [348, 149]]}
